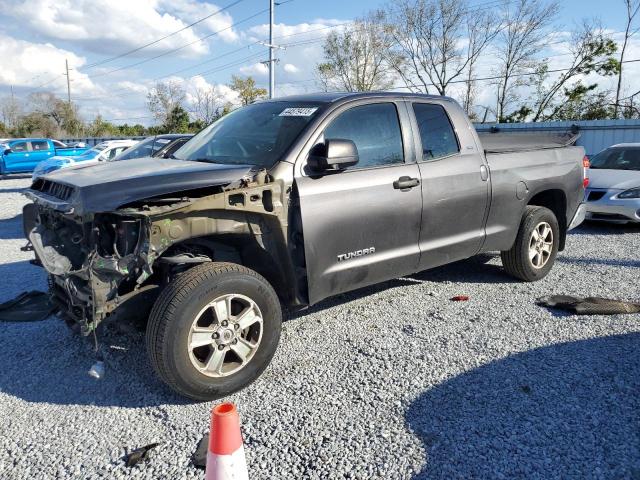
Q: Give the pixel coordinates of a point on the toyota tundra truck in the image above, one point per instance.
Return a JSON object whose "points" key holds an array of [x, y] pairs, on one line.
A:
{"points": [[283, 203]]}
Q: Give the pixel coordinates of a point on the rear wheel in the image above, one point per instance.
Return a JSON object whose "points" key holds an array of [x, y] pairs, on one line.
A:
{"points": [[534, 252], [213, 330]]}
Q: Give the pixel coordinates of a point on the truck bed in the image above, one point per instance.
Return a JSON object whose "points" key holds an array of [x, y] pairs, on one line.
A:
{"points": [[505, 142]]}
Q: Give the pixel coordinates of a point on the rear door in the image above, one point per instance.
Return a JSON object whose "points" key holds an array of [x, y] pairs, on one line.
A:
{"points": [[40, 150], [358, 228], [17, 160], [454, 182]]}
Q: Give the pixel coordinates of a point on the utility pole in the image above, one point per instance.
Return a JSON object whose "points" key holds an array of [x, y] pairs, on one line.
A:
{"points": [[272, 69], [272, 60], [66, 64]]}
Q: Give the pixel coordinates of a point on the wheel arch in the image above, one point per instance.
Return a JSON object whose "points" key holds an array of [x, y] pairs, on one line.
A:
{"points": [[555, 200]]}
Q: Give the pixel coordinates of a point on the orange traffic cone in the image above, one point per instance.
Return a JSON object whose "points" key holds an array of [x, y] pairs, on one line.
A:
{"points": [[225, 458]]}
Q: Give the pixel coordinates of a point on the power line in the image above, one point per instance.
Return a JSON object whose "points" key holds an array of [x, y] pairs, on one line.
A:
{"points": [[168, 52], [137, 49]]}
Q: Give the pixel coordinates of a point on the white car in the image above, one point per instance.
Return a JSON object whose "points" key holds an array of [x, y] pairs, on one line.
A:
{"points": [[613, 193], [104, 151]]}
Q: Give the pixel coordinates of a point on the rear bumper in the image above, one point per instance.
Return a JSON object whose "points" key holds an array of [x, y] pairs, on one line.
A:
{"points": [[610, 208], [578, 217]]}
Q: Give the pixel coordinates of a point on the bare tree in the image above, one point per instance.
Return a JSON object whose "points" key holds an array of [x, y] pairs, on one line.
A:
{"points": [[164, 98], [356, 58], [208, 105], [591, 52], [436, 41], [632, 7], [482, 28], [11, 110], [519, 41]]}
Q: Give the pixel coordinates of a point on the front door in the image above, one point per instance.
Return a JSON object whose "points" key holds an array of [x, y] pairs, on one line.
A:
{"points": [[454, 182], [18, 159], [360, 224]]}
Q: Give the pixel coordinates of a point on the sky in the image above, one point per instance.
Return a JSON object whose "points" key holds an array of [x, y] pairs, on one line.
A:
{"points": [[39, 35]]}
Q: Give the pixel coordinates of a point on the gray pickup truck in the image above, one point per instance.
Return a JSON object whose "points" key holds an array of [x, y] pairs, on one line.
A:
{"points": [[285, 203]]}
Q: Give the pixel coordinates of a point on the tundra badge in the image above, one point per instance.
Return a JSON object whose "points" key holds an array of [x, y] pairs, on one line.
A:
{"points": [[357, 253]]}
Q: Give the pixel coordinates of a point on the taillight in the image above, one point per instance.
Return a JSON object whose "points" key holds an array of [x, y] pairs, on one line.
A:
{"points": [[585, 171]]}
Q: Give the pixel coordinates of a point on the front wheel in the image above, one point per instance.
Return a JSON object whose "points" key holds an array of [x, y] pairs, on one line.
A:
{"points": [[213, 330], [534, 251]]}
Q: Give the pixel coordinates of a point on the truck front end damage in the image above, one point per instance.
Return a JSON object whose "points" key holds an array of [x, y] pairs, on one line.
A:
{"points": [[92, 263], [102, 262]]}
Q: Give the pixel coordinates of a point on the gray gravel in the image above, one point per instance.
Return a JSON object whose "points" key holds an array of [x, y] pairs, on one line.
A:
{"points": [[394, 381]]}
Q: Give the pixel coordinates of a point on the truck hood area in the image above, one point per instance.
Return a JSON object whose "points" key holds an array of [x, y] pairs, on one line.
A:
{"points": [[107, 186]]}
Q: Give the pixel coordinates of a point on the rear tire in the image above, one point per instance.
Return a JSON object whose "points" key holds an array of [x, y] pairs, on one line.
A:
{"points": [[213, 330], [534, 252]]}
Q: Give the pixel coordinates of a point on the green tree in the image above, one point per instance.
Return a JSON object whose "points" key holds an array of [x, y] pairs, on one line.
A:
{"points": [[246, 89], [177, 121], [591, 52], [356, 59]]}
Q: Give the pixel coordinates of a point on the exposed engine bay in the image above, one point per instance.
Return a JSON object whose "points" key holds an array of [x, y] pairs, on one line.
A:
{"points": [[100, 262]]}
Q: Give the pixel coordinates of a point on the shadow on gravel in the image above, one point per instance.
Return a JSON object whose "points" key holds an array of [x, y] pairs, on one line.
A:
{"points": [[51, 367], [11, 228], [569, 410], [472, 270], [44, 362], [604, 228], [598, 261], [15, 176]]}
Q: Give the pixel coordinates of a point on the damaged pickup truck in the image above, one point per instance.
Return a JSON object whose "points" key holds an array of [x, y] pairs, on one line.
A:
{"points": [[288, 202]]}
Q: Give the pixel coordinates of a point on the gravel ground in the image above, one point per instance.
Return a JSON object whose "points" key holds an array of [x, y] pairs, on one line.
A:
{"points": [[393, 381]]}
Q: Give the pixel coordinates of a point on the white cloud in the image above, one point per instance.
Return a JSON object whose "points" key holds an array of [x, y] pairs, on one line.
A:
{"points": [[133, 87], [223, 93], [290, 68], [111, 26], [40, 65], [257, 69]]}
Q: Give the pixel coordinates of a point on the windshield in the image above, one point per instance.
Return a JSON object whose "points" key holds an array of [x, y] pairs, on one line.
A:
{"points": [[139, 150], [618, 158], [97, 149], [257, 134]]}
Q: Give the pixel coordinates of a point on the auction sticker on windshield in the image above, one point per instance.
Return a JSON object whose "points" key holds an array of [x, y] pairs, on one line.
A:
{"points": [[298, 112]]}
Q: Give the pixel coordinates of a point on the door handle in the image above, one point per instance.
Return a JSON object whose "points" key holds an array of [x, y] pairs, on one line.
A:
{"points": [[404, 183], [484, 173]]}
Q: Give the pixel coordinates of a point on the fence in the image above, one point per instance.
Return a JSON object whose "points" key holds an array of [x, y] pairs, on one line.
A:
{"points": [[595, 135]]}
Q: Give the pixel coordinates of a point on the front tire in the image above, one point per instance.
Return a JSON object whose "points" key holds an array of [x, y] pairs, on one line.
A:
{"points": [[534, 252], [213, 330]]}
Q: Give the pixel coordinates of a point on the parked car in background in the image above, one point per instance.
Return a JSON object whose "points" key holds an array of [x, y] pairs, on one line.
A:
{"points": [[614, 184], [168, 150], [150, 146], [104, 151], [23, 154]]}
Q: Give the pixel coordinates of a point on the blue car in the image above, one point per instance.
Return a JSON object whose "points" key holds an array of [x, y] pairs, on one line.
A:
{"points": [[23, 154], [104, 151]]}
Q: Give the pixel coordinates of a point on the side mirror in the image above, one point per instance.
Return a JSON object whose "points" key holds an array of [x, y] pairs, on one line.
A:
{"points": [[333, 155], [7, 151]]}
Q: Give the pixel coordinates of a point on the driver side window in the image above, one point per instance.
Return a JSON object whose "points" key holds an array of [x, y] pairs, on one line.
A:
{"points": [[19, 147], [375, 130]]}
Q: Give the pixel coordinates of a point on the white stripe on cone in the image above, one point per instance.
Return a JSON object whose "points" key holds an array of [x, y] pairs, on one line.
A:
{"points": [[227, 467]]}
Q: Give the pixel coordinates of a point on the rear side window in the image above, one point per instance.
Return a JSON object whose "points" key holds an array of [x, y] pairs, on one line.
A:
{"points": [[39, 145], [374, 129], [436, 133], [19, 147]]}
